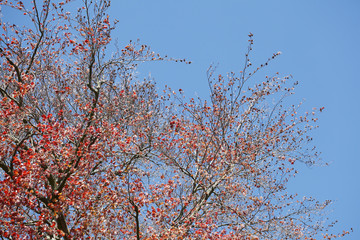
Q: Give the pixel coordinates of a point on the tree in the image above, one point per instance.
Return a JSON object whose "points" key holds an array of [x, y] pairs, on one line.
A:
{"points": [[89, 152]]}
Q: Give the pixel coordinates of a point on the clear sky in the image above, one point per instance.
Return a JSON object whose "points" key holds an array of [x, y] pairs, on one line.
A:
{"points": [[320, 42], [320, 45]]}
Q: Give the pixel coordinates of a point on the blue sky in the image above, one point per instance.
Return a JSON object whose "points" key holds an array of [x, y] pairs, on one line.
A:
{"points": [[320, 45]]}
